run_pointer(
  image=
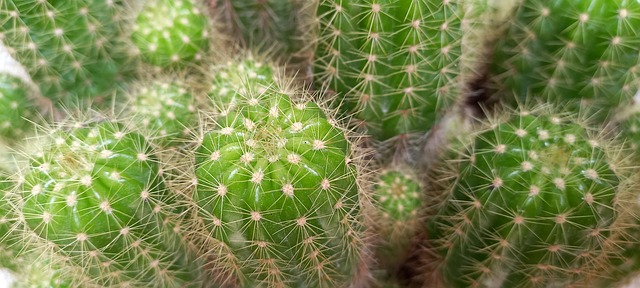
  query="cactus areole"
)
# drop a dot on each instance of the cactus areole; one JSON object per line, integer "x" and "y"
{"x": 97, "y": 195}
{"x": 275, "y": 184}
{"x": 532, "y": 206}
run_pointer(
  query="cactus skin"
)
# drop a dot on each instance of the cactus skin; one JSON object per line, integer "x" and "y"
{"x": 14, "y": 97}
{"x": 536, "y": 202}
{"x": 171, "y": 33}
{"x": 8, "y": 248}
{"x": 165, "y": 109}
{"x": 393, "y": 62}
{"x": 72, "y": 49}
{"x": 96, "y": 196}
{"x": 398, "y": 195}
{"x": 277, "y": 191}
{"x": 566, "y": 50}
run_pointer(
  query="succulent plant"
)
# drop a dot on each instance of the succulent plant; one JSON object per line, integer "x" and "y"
{"x": 165, "y": 109}
{"x": 571, "y": 51}
{"x": 537, "y": 200}
{"x": 278, "y": 196}
{"x": 95, "y": 198}
{"x": 72, "y": 49}
{"x": 172, "y": 33}
{"x": 393, "y": 64}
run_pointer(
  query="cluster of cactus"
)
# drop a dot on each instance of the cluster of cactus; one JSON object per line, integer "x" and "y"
{"x": 324, "y": 143}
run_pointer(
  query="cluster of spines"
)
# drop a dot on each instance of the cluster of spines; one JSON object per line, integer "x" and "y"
{"x": 72, "y": 49}
{"x": 172, "y": 33}
{"x": 394, "y": 63}
{"x": 571, "y": 51}
{"x": 537, "y": 200}
{"x": 94, "y": 204}
{"x": 276, "y": 193}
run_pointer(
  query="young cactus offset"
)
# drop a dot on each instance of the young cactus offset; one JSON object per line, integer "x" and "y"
{"x": 568, "y": 50}
{"x": 394, "y": 63}
{"x": 164, "y": 108}
{"x": 95, "y": 198}
{"x": 73, "y": 49}
{"x": 278, "y": 192}
{"x": 172, "y": 33}
{"x": 538, "y": 200}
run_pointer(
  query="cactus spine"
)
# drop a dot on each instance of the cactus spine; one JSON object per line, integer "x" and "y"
{"x": 95, "y": 200}
{"x": 278, "y": 193}
{"x": 72, "y": 49}
{"x": 538, "y": 200}
{"x": 393, "y": 62}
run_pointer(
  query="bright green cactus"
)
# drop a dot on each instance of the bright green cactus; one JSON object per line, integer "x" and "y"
{"x": 536, "y": 200}
{"x": 9, "y": 247}
{"x": 280, "y": 27}
{"x": 164, "y": 108}
{"x": 393, "y": 62}
{"x": 73, "y": 49}
{"x": 96, "y": 195}
{"x": 571, "y": 50}
{"x": 398, "y": 198}
{"x": 278, "y": 193}
{"x": 171, "y": 33}
{"x": 14, "y": 97}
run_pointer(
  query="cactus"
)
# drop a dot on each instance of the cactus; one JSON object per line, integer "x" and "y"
{"x": 277, "y": 192}
{"x": 278, "y": 27}
{"x": 8, "y": 225}
{"x": 95, "y": 198}
{"x": 538, "y": 200}
{"x": 165, "y": 108}
{"x": 398, "y": 196}
{"x": 571, "y": 51}
{"x": 171, "y": 33}
{"x": 393, "y": 62}
{"x": 73, "y": 49}
{"x": 14, "y": 118}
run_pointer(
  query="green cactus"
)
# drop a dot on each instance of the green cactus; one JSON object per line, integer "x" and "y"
{"x": 18, "y": 109}
{"x": 164, "y": 108}
{"x": 95, "y": 198}
{"x": 537, "y": 200}
{"x": 9, "y": 247}
{"x": 398, "y": 196}
{"x": 73, "y": 49}
{"x": 172, "y": 33}
{"x": 393, "y": 62}
{"x": 278, "y": 193}
{"x": 279, "y": 27}
{"x": 566, "y": 50}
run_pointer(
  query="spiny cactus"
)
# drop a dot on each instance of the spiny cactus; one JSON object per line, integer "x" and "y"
{"x": 279, "y": 27}
{"x": 537, "y": 200}
{"x": 95, "y": 198}
{"x": 565, "y": 50}
{"x": 393, "y": 62}
{"x": 172, "y": 32}
{"x": 398, "y": 198}
{"x": 278, "y": 192}
{"x": 17, "y": 109}
{"x": 72, "y": 49}
{"x": 165, "y": 108}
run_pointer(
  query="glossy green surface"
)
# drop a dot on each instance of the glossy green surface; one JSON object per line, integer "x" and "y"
{"x": 72, "y": 49}
{"x": 96, "y": 193}
{"x": 392, "y": 62}
{"x": 568, "y": 50}
{"x": 275, "y": 186}
{"x": 171, "y": 32}
{"x": 166, "y": 110}
{"x": 531, "y": 206}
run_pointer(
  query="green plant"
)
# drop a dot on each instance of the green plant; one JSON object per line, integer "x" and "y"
{"x": 277, "y": 196}
{"x": 72, "y": 49}
{"x": 172, "y": 33}
{"x": 96, "y": 203}
{"x": 393, "y": 64}
{"x": 537, "y": 199}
